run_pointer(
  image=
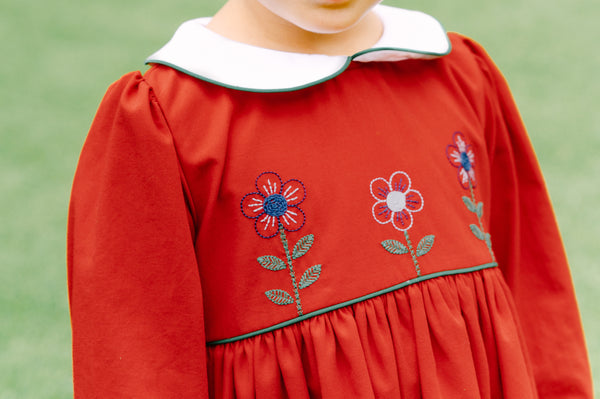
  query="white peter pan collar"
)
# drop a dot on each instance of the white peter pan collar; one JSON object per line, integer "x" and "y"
{"x": 199, "y": 52}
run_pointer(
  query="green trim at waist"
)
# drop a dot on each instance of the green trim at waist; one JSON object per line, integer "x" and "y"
{"x": 352, "y": 302}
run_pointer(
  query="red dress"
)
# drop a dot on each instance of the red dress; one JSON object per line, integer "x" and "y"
{"x": 360, "y": 230}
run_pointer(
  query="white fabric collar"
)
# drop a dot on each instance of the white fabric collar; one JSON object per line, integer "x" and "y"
{"x": 199, "y": 52}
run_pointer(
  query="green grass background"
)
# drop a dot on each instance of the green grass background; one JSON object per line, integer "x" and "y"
{"x": 60, "y": 55}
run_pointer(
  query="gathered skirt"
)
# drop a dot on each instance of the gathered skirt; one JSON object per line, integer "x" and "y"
{"x": 454, "y": 336}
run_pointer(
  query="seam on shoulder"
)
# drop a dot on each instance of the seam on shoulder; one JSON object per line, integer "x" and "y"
{"x": 187, "y": 193}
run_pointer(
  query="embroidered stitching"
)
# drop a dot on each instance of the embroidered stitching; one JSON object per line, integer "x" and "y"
{"x": 291, "y": 266}
{"x": 425, "y": 245}
{"x": 274, "y": 207}
{"x": 461, "y": 156}
{"x": 396, "y": 202}
{"x": 412, "y": 254}
{"x": 302, "y": 246}
{"x": 273, "y": 204}
{"x": 478, "y": 231}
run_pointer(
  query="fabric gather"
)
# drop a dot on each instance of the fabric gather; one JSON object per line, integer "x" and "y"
{"x": 430, "y": 326}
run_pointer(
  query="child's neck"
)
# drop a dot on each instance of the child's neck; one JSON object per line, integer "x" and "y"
{"x": 259, "y": 27}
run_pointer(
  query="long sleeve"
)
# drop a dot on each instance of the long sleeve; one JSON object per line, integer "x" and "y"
{"x": 530, "y": 251}
{"x": 134, "y": 286}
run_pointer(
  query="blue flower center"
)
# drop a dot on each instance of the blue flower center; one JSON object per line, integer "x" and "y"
{"x": 465, "y": 161}
{"x": 275, "y": 205}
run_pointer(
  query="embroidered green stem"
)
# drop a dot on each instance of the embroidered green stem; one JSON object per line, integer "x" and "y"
{"x": 284, "y": 241}
{"x": 487, "y": 241}
{"x": 412, "y": 253}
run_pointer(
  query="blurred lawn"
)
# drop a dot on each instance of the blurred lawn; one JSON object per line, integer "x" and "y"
{"x": 60, "y": 55}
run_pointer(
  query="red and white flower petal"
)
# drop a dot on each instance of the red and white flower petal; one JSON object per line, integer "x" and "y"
{"x": 399, "y": 181}
{"x": 380, "y": 188}
{"x": 453, "y": 155}
{"x": 471, "y": 156}
{"x": 459, "y": 140}
{"x": 402, "y": 220}
{"x": 294, "y": 192}
{"x": 266, "y": 226}
{"x": 414, "y": 201}
{"x": 293, "y": 219}
{"x": 463, "y": 178}
{"x": 381, "y": 212}
{"x": 252, "y": 205}
{"x": 268, "y": 183}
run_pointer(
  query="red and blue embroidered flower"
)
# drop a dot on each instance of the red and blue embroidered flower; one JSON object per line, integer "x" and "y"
{"x": 396, "y": 201}
{"x": 275, "y": 210}
{"x": 275, "y": 204}
{"x": 461, "y": 156}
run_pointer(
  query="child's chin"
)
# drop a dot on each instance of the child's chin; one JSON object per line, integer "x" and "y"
{"x": 330, "y": 23}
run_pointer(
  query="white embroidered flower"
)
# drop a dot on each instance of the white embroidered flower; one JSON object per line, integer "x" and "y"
{"x": 396, "y": 201}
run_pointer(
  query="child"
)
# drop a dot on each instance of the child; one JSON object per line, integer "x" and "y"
{"x": 317, "y": 199}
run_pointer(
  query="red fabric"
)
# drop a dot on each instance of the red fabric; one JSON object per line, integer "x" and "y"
{"x": 531, "y": 254}
{"x": 167, "y": 253}
{"x": 448, "y": 337}
{"x": 135, "y": 295}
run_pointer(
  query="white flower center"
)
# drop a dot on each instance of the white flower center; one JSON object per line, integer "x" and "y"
{"x": 396, "y": 201}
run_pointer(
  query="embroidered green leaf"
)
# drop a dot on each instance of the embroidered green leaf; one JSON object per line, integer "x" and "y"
{"x": 270, "y": 262}
{"x": 477, "y": 231}
{"x": 302, "y": 246}
{"x": 310, "y": 276}
{"x": 470, "y": 205}
{"x": 479, "y": 210}
{"x": 394, "y": 247}
{"x": 279, "y": 297}
{"x": 425, "y": 245}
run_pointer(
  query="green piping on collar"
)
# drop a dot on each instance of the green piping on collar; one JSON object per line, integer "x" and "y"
{"x": 296, "y": 88}
{"x": 283, "y": 90}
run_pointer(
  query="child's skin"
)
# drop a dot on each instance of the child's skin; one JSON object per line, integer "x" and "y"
{"x": 333, "y": 27}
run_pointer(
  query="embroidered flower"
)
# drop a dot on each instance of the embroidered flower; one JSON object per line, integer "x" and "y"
{"x": 461, "y": 156}
{"x": 275, "y": 204}
{"x": 274, "y": 208}
{"x": 396, "y": 201}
